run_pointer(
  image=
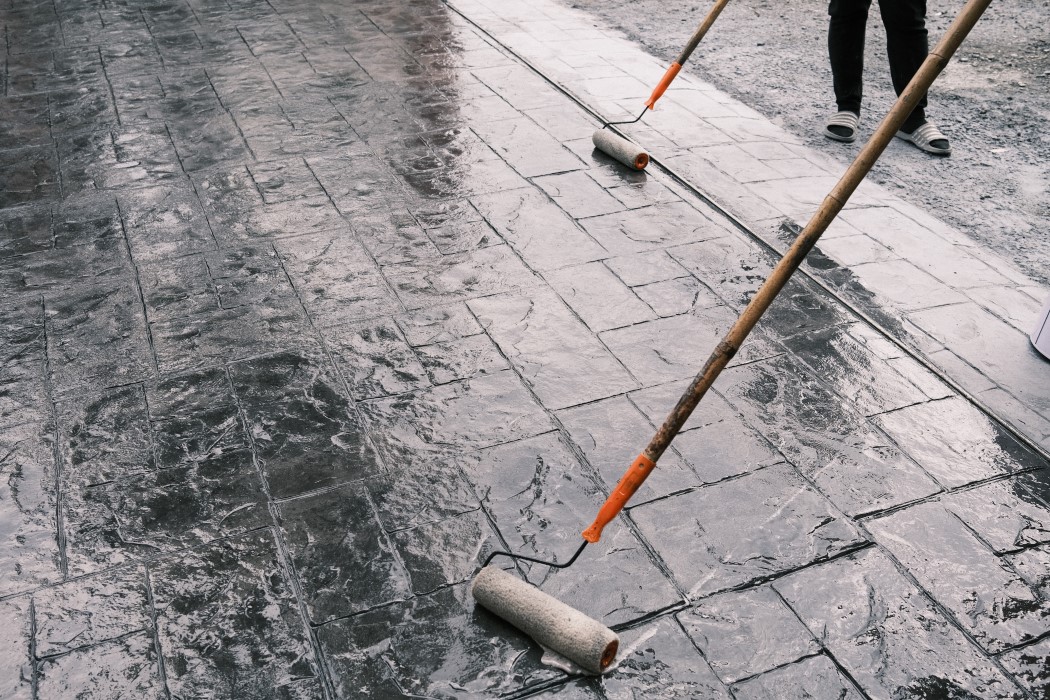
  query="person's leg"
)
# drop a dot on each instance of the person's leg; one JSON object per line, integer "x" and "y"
{"x": 907, "y": 46}
{"x": 846, "y": 51}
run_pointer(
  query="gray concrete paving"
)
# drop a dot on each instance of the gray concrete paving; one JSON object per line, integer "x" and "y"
{"x": 964, "y": 308}
{"x": 308, "y": 307}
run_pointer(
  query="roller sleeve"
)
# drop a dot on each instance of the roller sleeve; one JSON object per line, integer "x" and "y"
{"x": 630, "y": 154}
{"x": 547, "y": 620}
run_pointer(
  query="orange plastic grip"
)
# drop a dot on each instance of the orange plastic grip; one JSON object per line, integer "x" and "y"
{"x": 629, "y": 483}
{"x": 658, "y": 92}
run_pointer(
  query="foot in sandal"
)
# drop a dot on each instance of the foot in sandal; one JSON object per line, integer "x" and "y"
{"x": 928, "y": 138}
{"x": 843, "y": 126}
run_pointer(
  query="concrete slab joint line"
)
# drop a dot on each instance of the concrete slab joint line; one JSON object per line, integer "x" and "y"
{"x": 306, "y": 308}
{"x": 1041, "y": 332}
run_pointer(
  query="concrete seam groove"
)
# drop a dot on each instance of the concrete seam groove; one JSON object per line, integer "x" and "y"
{"x": 746, "y": 230}
{"x": 825, "y": 651}
{"x": 879, "y": 513}
{"x": 677, "y": 621}
{"x": 56, "y": 448}
{"x": 34, "y": 681}
{"x": 949, "y": 616}
{"x": 155, "y": 632}
{"x": 532, "y": 691}
{"x": 285, "y": 562}
{"x": 667, "y": 610}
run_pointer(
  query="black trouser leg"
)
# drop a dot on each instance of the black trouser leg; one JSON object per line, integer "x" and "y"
{"x": 907, "y": 45}
{"x": 846, "y": 51}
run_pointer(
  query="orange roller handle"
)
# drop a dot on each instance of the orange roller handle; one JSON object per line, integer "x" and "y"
{"x": 663, "y": 84}
{"x": 629, "y": 483}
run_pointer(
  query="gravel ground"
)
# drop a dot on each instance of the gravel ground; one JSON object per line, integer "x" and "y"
{"x": 993, "y": 102}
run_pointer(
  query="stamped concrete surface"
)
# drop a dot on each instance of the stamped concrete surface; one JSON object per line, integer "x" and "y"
{"x": 308, "y": 306}
{"x": 939, "y": 292}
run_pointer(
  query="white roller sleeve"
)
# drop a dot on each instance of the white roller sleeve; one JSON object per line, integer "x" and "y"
{"x": 547, "y": 620}
{"x": 630, "y": 154}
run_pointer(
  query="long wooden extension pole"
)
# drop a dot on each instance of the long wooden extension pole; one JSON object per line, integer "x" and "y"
{"x": 687, "y": 51}
{"x": 829, "y": 209}
{"x": 700, "y": 32}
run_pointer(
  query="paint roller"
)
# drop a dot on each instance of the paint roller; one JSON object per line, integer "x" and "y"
{"x": 627, "y": 152}
{"x": 550, "y": 622}
{"x": 568, "y": 631}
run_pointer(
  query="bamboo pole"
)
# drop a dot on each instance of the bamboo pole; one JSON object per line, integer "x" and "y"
{"x": 700, "y": 32}
{"x": 767, "y": 293}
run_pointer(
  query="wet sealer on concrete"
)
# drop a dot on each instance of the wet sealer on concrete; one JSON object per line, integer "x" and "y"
{"x": 309, "y": 306}
{"x": 545, "y": 619}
